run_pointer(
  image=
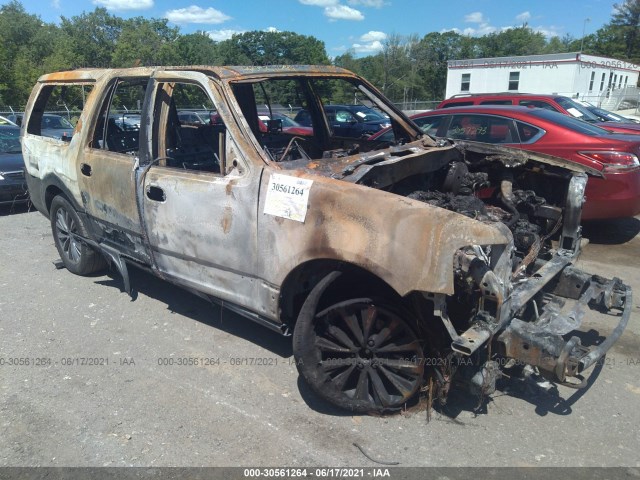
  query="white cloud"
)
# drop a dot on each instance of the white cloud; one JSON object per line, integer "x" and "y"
{"x": 475, "y": 17}
{"x": 371, "y": 42}
{"x": 120, "y": 5}
{"x": 220, "y": 35}
{"x": 372, "y": 47}
{"x": 483, "y": 29}
{"x": 55, "y": 4}
{"x": 367, "y": 3}
{"x": 319, "y": 3}
{"x": 372, "y": 36}
{"x": 194, "y": 14}
{"x": 271, "y": 30}
{"x": 549, "y": 31}
{"x": 342, "y": 12}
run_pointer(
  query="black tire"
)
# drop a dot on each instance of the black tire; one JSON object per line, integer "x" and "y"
{"x": 360, "y": 355}
{"x": 66, "y": 225}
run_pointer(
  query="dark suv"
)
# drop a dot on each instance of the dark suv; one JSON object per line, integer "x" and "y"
{"x": 352, "y": 121}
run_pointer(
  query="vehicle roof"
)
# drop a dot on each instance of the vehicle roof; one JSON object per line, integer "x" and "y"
{"x": 221, "y": 72}
{"x": 498, "y": 109}
{"x": 462, "y": 96}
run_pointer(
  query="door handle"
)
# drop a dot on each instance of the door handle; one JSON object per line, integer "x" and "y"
{"x": 155, "y": 193}
{"x": 85, "y": 169}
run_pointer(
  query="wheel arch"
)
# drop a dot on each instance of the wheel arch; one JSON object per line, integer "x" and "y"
{"x": 352, "y": 281}
{"x": 55, "y": 187}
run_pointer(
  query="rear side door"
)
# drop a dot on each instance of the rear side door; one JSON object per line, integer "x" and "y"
{"x": 107, "y": 166}
{"x": 198, "y": 193}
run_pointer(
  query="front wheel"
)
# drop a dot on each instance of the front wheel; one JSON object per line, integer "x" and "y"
{"x": 67, "y": 229}
{"x": 360, "y": 355}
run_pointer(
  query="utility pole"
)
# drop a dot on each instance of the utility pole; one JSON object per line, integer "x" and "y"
{"x": 584, "y": 26}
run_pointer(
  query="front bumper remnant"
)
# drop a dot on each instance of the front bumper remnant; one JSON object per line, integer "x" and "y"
{"x": 552, "y": 342}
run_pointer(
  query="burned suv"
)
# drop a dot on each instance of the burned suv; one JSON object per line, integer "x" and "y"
{"x": 393, "y": 266}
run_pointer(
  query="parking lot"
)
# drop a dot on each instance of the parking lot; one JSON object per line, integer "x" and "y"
{"x": 90, "y": 377}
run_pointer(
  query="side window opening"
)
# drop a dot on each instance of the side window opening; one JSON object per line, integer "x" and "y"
{"x": 188, "y": 132}
{"x": 118, "y": 126}
{"x": 457, "y": 104}
{"x": 57, "y": 110}
{"x": 496, "y": 102}
{"x": 278, "y": 113}
{"x": 537, "y": 103}
{"x": 315, "y": 118}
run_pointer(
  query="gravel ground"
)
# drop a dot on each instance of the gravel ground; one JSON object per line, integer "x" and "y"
{"x": 132, "y": 408}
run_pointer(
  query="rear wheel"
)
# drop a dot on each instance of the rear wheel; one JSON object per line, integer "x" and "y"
{"x": 67, "y": 228}
{"x": 360, "y": 355}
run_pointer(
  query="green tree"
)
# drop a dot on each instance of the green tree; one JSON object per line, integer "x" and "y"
{"x": 94, "y": 37}
{"x": 512, "y": 42}
{"x": 146, "y": 42}
{"x": 272, "y": 48}
{"x": 626, "y": 20}
{"x": 18, "y": 53}
{"x": 196, "y": 49}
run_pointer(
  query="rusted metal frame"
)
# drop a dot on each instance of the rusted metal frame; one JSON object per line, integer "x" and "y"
{"x": 270, "y": 71}
{"x": 484, "y": 327}
{"x": 375, "y": 95}
{"x": 386, "y": 172}
{"x": 532, "y": 347}
{"x": 314, "y": 102}
{"x": 492, "y": 280}
{"x": 440, "y": 310}
{"x": 571, "y": 229}
{"x": 531, "y": 286}
{"x": 531, "y": 344}
{"x": 598, "y": 352}
{"x": 237, "y": 125}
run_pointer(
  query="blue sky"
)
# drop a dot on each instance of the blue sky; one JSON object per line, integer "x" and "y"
{"x": 342, "y": 24}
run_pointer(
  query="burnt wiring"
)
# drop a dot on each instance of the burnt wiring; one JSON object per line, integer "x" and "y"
{"x": 535, "y": 250}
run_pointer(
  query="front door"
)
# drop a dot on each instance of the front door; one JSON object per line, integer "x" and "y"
{"x": 199, "y": 196}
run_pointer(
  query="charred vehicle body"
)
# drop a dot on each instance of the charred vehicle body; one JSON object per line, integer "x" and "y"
{"x": 387, "y": 263}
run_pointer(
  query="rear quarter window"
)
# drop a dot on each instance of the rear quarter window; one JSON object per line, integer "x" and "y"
{"x": 57, "y": 109}
{"x": 528, "y": 133}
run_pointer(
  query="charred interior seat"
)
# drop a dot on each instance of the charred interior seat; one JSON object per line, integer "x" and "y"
{"x": 193, "y": 147}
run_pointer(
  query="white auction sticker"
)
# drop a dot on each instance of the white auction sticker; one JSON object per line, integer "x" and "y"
{"x": 287, "y": 197}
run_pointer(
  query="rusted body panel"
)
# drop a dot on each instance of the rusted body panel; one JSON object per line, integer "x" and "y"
{"x": 407, "y": 243}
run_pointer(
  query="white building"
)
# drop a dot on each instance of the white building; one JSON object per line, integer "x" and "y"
{"x": 587, "y": 77}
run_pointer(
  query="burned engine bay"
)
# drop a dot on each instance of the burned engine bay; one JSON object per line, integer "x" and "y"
{"x": 510, "y": 301}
